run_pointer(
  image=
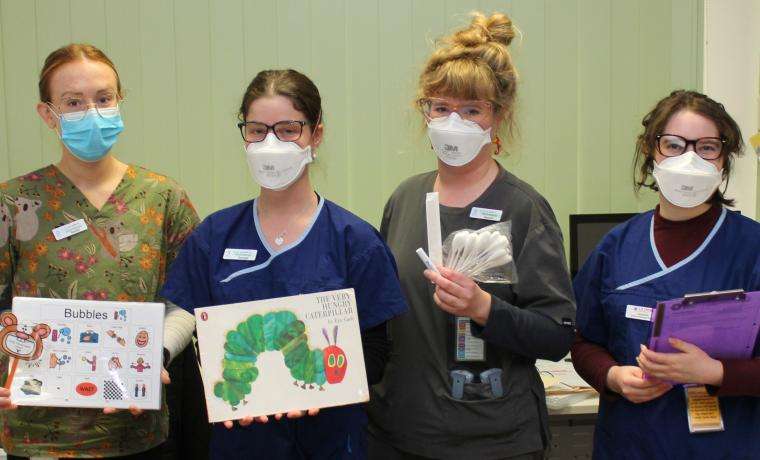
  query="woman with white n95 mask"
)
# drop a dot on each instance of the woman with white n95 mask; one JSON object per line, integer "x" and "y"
{"x": 288, "y": 241}
{"x": 690, "y": 243}
{"x": 457, "y": 327}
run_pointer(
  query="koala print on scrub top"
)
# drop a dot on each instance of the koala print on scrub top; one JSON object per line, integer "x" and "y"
{"x": 26, "y": 220}
{"x": 5, "y": 223}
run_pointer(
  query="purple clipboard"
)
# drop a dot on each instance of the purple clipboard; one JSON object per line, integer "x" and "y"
{"x": 723, "y": 324}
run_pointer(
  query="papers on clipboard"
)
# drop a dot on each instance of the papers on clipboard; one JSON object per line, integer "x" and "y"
{"x": 723, "y": 324}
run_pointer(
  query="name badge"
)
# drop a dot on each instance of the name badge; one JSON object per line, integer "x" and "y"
{"x": 636, "y": 312}
{"x": 239, "y": 254}
{"x": 468, "y": 347}
{"x": 486, "y": 214}
{"x": 72, "y": 228}
{"x": 702, "y": 410}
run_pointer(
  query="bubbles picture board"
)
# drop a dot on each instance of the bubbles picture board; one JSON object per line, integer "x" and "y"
{"x": 83, "y": 353}
{"x": 278, "y": 355}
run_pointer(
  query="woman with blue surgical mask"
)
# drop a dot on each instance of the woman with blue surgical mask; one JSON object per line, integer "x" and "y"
{"x": 289, "y": 240}
{"x": 460, "y": 381}
{"x": 131, "y": 224}
{"x": 690, "y": 243}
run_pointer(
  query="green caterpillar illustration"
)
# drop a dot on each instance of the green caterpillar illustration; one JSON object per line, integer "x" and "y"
{"x": 283, "y": 331}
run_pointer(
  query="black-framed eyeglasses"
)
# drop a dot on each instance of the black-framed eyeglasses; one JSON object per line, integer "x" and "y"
{"x": 671, "y": 145}
{"x": 286, "y": 130}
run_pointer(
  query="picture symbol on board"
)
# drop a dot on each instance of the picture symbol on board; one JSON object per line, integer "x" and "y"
{"x": 62, "y": 335}
{"x": 88, "y": 336}
{"x": 114, "y": 363}
{"x": 93, "y": 361}
{"x": 141, "y": 339}
{"x": 32, "y": 387}
{"x": 58, "y": 361}
{"x": 120, "y": 340}
{"x": 140, "y": 365}
{"x": 112, "y": 390}
{"x": 139, "y": 390}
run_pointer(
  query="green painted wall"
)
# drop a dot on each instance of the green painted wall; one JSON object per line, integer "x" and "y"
{"x": 589, "y": 71}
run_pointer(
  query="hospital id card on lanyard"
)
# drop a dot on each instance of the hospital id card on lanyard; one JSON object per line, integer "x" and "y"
{"x": 468, "y": 347}
{"x": 702, "y": 410}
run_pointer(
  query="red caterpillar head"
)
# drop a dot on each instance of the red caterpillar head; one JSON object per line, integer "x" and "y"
{"x": 334, "y": 358}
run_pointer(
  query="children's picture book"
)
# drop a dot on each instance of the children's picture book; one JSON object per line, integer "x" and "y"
{"x": 83, "y": 353}
{"x": 278, "y": 355}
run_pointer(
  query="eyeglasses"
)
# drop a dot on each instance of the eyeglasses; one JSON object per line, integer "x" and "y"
{"x": 671, "y": 145}
{"x": 75, "y": 108}
{"x": 477, "y": 111}
{"x": 286, "y": 131}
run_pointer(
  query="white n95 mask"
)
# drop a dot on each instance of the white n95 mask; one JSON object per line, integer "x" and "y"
{"x": 687, "y": 180}
{"x": 457, "y": 141}
{"x": 275, "y": 164}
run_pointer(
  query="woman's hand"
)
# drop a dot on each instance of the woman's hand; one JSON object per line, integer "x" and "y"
{"x": 245, "y": 421}
{"x": 459, "y": 295}
{"x": 133, "y": 409}
{"x": 691, "y": 365}
{"x": 5, "y": 400}
{"x": 629, "y": 382}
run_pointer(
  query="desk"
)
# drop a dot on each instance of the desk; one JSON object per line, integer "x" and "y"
{"x": 572, "y": 429}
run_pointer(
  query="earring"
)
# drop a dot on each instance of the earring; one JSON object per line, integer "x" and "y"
{"x": 497, "y": 141}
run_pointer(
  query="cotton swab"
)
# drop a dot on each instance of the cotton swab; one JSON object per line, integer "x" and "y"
{"x": 457, "y": 247}
{"x": 498, "y": 258}
{"x": 477, "y": 242}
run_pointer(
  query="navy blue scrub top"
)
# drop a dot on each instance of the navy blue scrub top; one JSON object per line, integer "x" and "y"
{"x": 338, "y": 250}
{"x": 626, "y": 269}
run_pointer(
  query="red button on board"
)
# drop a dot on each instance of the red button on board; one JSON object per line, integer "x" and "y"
{"x": 87, "y": 388}
{"x": 204, "y": 316}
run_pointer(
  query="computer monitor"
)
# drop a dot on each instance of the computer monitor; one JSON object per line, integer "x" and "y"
{"x": 586, "y": 230}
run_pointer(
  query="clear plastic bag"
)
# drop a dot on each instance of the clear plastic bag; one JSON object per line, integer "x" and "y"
{"x": 485, "y": 255}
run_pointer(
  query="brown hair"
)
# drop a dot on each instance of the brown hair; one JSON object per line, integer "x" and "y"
{"x": 71, "y": 53}
{"x": 294, "y": 85}
{"x": 474, "y": 63}
{"x": 654, "y": 123}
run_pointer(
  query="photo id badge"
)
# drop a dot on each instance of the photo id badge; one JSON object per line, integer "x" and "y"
{"x": 468, "y": 347}
{"x": 702, "y": 410}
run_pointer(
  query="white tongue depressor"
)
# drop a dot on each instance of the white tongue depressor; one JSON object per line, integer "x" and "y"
{"x": 433, "y": 215}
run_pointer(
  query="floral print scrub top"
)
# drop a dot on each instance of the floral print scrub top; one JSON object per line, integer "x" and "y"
{"x": 123, "y": 255}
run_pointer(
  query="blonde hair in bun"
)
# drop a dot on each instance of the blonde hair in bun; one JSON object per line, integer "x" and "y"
{"x": 474, "y": 63}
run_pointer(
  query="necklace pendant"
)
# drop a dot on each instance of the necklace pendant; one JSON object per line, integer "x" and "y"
{"x": 279, "y": 240}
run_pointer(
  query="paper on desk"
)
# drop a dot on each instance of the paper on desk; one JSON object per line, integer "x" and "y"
{"x": 560, "y": 375}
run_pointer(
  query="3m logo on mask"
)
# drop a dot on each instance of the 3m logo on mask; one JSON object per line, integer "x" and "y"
{"x": 267, "y": 167}
{"x": 450, "y": 148}
{"x": 687, "y": 188}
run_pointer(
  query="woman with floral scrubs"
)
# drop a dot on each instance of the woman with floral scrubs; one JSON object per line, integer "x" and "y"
{"x": 136, "y": 221}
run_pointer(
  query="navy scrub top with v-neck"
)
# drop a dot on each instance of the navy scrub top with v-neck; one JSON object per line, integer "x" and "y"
{"x": 625, "y": 269}
{"x": 338, "y": 250}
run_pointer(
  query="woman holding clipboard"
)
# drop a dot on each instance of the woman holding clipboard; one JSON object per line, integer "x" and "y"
{"x": 689, "y": 243}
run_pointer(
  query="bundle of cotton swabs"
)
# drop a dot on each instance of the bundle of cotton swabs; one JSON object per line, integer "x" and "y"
{"x": 473, "y": 253}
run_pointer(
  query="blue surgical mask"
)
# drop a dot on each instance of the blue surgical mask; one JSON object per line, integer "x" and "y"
{"x": 92, "y": 137}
